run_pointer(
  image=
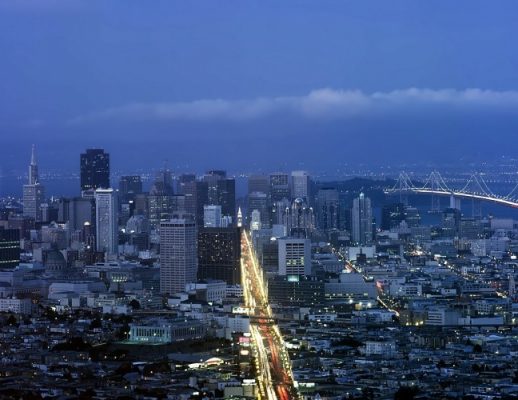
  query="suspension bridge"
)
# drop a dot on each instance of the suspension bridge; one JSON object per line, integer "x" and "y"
{"x": 475, "y": 188}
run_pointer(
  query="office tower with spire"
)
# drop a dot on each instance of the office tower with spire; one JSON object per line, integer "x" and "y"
{"x": 33, "y": 191}
{"x": 362, "y": 220}
{"x": 178, "y": 254}
{"x": 95, "y": 170}
{"x": 106, "y": 224}
{"x": 239, "y": 218}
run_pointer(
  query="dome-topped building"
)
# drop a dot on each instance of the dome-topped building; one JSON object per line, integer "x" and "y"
{"x": 55, "y": 262}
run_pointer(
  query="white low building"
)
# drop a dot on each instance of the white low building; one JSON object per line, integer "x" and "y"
{"x": 17, "y": 306}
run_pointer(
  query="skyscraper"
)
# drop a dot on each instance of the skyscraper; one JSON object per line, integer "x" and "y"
{"x": 212, "y": 177}
{"x": 392, "y": 215}
{"x": 178, "y": 254}
{"x": 362, "y": 220}
{"x": 259, "y": 201}
{"x": 106, "y": 224}
{"x": 299, "y": 219}
{"x": 184, "y": 179}
{"x": 95, "y": 169}
{"x": 279, "y": 186}
{"x": 258, "y": 183}
{"x": 33, "y": 168}
{"x": 33, "y": 191}
{"x": 212, "y": 216}
{"x": 196, "y": 196}
{"x": 129, "y": 186}
{"x": 328, "y": 208}
{"x": 294, "y": 257}
{"x": 9, "y": 248}
{"x": 227, "y": 196}
{"x": 160, "y": 199}
{"x": 300, "y": 185}
{"x": 219, "y": 254}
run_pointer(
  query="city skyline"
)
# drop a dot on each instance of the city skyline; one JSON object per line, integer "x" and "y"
{"x": 258, "y": 199}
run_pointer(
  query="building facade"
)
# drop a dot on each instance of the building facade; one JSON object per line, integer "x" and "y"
{"x": 219, "y": 254}
{"x": 106, "y": 222}
{"x": 95, "y": 169}
{"x": 178, "y": 254}
{"x": 362, "y": 228}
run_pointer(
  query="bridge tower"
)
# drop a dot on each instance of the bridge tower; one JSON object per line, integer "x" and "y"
{"x": 436, "y": 183}
{"x": 477, "y": 185}
{"x": 404, "y": 186}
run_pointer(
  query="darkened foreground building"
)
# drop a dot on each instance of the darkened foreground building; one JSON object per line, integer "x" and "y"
{"x": 292, "y": 291}
{"x": 95, "y": 169}
{"x": 219, "y": 254}
{"x": 9, "y": 248}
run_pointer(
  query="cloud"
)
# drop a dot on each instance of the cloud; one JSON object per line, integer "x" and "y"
{"x": 326, "y": 104}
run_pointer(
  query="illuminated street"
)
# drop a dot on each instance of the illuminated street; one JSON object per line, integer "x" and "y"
{"x": 274, "y": 375}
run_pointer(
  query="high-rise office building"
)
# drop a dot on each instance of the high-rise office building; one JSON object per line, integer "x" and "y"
{"x": 255, "y": 220}
{"x": 196, "y": 196}
{"x": 361, "y": 218}
{"x": 9, "y": 248}
{"x": 299, "y": 219}
{"x": 328, "y": 207}
{"x": 259, "y": 183}
{"x": 259, "y": 201}
{"x": 301, "y": 185}
{"x": 279, "y": 186}
{"x": 106, "y": 223}
{"x": 129, "y": 186}
{"x": 161, "y": 202}
{"x": 294, "y": 256}
{"x": 392, "y": 215}
{"x": 450, "y": 222}
{"x": 33, "y": 191}
{"x": 164, "y": 181}
{"x": 227, "y": 196}
{"x": 184, "y": 179}
{"x": 212, "y": 216}
{"x": 212, "y": 178}
{"x": 219, "y": 254}
{"x": 178, "y": 254}
{"x": 76, "y": 212}
{"x": 95, "y": 170}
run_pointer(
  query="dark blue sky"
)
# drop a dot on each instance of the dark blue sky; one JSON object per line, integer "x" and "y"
{"x": 257, "y": 84}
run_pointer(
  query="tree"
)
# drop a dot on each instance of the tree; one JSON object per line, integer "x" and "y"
{"x": 96, "y": 323}
{"x": 134, "y": 304}
{"x": 406, "y": 393}
{"x": 12, "y": 321}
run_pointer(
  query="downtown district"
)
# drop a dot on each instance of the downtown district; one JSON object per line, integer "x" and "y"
{"x": 299, "y": 289}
